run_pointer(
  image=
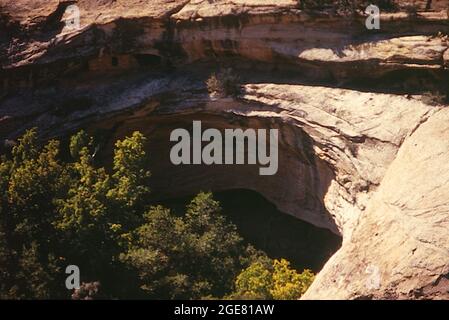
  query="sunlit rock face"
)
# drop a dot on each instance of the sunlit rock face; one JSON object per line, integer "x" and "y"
{"x": 36, "y": 43}
{"x": 360, "y": 152}
{"x": 402, "y": 237}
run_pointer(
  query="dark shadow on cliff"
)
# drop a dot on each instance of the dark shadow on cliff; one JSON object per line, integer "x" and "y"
{"x": 278, "y": 234}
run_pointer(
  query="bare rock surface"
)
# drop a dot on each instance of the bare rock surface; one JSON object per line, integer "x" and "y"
{"x": 402, "y": 234}
{"x": 358, "y": 134}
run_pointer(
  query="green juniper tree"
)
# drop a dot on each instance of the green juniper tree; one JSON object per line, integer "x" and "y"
{"x": 186, "y": 257}
{"x": 55, "y": 213}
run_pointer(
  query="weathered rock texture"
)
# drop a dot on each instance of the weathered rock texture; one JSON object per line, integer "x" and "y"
{"x": 371, "y": 166}
{"x": 403, "y": 231}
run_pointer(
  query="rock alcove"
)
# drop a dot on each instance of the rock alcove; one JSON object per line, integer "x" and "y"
{"x": 283, "y": 214}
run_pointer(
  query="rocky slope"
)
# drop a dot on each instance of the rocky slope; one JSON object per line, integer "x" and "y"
{"x": 403, "y": 231}
{"x": 361, "y": 152}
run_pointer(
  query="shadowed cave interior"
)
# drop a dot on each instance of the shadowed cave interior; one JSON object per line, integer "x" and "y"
{"x": 278, "y": 234}
{"x": 250, "y": 201}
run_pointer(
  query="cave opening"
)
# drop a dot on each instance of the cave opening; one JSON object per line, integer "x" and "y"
{"x": 261, "y": 224}
{"x": 148, "y": 60}
{"x": 283, "y": 215}
{"x": 114, "y": 62}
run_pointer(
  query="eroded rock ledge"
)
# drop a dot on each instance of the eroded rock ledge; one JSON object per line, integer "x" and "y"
{"x": 36, "y": 48}
{"x": 369, "y": 166}
{"x": 403, "y": 231}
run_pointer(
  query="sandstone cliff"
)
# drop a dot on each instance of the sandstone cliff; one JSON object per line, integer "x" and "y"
{"x": 362, "y": 153}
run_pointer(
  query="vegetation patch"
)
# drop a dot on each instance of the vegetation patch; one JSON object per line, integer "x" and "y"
{"x": 56, "y": 213}
{"x": 224, "y": 84}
